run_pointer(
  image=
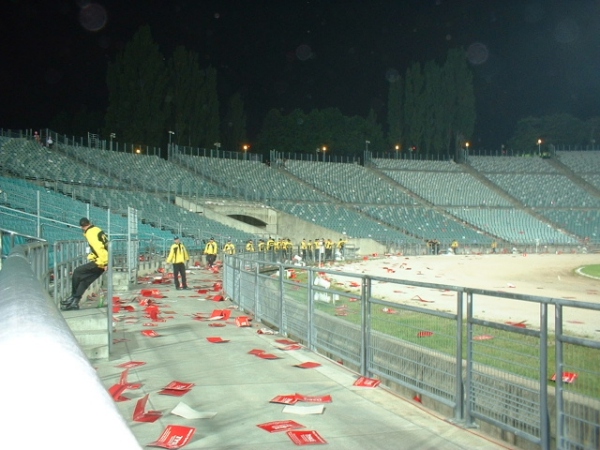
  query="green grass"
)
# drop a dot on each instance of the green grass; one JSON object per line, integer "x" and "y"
{"x": 593, "y": 270}
{"x": 507, "y": 351}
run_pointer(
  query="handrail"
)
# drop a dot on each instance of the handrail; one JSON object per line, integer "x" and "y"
{"x": 47, "y": 377}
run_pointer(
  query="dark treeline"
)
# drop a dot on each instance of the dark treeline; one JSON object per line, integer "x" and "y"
{"x": 430, "y": 110}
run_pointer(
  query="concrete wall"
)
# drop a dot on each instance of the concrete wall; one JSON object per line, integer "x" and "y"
{"x": 278, "y": 224}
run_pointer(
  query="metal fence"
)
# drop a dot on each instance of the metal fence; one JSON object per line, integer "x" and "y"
{"x": 495, "y": 374}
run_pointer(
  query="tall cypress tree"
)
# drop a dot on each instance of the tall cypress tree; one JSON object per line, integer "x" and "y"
{"x": 137, "y": 83}
{"x": 395, "y": 114}
{"x": 234, "y": 128}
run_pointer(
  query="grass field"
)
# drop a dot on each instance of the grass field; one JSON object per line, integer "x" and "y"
{"x": 507, "y": 351}
{"x": 593, "y": 270}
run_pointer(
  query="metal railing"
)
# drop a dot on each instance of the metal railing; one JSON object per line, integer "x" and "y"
{"x": 485, "y": 370}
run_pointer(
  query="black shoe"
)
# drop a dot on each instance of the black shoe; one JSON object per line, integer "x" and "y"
{"x": 186, "y": 288}
{"x": 177, "y": 288}
{"x": 67, "y": 301}
{"x": 72, "y": 305}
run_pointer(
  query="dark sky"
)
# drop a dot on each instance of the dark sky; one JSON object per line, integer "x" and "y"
{"x": 529, "y": 57}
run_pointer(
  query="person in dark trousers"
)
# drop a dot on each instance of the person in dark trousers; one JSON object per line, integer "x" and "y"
{"x": 178, "y": 256}
{"x": 86, "y": 274}
{"x": 211, "y": 251}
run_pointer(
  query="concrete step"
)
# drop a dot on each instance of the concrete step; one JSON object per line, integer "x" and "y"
{"x": 94, "y": 352}
{"x": 86, "y": 319}
{"x": 91, "y": 337}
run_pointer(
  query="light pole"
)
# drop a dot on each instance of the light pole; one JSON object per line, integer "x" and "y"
{"x": 171, "y": 133}
{"x": 539, "y": 143}
{"x": 324, "y": 149}
{"x": 367, "y": 145}
{"x": 245, "y": 147}
{"x": 112, "y": 136}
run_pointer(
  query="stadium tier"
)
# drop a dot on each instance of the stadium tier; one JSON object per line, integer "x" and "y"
{"x": 519, "y": 200}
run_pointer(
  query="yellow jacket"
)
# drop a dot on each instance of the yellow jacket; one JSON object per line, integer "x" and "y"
{"x": 178, "y": 254}
{"x": 211, "y": 248}
{"x": 98, "y": 245}
{"x": 229, "y": 248}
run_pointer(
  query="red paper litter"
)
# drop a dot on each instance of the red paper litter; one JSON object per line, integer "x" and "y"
{"x": 424, "y": 333}
{"x": 174, "y": 436}
{"x": 314, "y": 398}
{"x": 216, "y": 324}
{"x": 216, "y": 340}
{"x": 567, "y": 377}
{"x": 217, "y": 286}
{"x": 280, "y": 425}
{"x": 115, "y": 392}
{"x": 150, "y": 333}
{"x": 218, "y": 298}
{"x": 131, "y": 364}
{"x": 154, "y": 293}
{"x": 141, "y": 415}
{"x": 268, "y": 356}
{"x": 285, "y": 341}
{"x": 308, "y": 365}
{"x": 367, "y": 382}
{"x": 306, "y": 437}
{"x": 256, "y": 351}
{"x": 483, "y": 337}
{"x": 521, "y": 324}
{"x": 285, "y": 399}
{"x": 123, "y": 381}
{"x": 242, "y": 321}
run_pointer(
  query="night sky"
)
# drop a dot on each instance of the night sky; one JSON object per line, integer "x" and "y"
{"x": 530, "y": 58}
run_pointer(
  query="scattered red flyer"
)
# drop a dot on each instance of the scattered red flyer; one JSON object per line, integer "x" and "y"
{"x": 280, "y": 425}
{"x": 155, "y": 293}
{"x": 243, "y": 321}
{"x": 520, "y": 324}
{"x": 123, "y": 381}
{"x": 285, "y": 399}
{"x": 567, "y": 377}
{"x": 174, "y": 436}
{"x": 353, "y": 300}
{"x": 314, "y": 398}
{"x": 308, "y": 365}
{"x": 256, "y": 351}
{"x": 141, "y": 415}
{"x": 131, "y": 364}
{"x": 115, "y": 392}
{"x": 285, "y": 341}
{"x": 389, "y": 310}
{"x": 150, "y": 333}
{"x": 424, "y": 333}
{"x": 218, "y": 298}
{"x": 216, "y": 324}
{"x": 267, "y": 356}
{"x": 367, "y": 382}
{"x": 152, "y": 311}
{"x": 219, "y": 314}
{"x": 483, "y": 337}
{"x": 174, "y": 392}
{"x": 216, "y": 340}
{"x": 179, "y": 385}
{"x": 290, "y": 347}
{"x": 306, "y": 437}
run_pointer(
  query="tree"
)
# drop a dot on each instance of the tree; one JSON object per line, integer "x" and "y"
{"x": 234, "y": 129}
{"x": 138, "y": 83}
{"x": 395, "y": 116}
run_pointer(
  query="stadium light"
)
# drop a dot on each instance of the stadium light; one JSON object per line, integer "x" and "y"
{"x": 539, "y": 143}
